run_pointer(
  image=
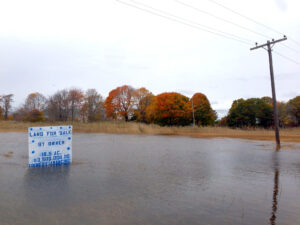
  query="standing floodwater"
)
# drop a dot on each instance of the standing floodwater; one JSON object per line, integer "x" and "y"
{"x": 128, "y": 179}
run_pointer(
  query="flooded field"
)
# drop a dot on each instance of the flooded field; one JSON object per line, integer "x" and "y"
{"x": 128, "y": 179}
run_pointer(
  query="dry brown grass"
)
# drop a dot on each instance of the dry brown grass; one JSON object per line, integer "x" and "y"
{"x": 287, "y": 135}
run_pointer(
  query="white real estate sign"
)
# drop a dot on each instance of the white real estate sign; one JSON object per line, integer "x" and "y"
{"x": 49, "y": 145}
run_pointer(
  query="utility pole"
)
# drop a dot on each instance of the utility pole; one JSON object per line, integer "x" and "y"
{"x": 269, "y": 46}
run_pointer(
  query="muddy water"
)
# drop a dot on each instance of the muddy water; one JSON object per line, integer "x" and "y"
{"x": 123, "y": 179}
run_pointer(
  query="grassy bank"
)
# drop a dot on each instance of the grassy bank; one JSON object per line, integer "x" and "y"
{"x": 287, "y": 135}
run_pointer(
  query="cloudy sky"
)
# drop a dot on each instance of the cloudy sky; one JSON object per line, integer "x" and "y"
{"x": 46, "y": 46}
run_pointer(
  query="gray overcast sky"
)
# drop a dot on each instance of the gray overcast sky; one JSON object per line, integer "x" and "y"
{"x": 51, "y": 45}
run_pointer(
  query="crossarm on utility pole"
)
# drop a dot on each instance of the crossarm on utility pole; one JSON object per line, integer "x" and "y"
{"x": 270, "y": 42}
{"x": 269, "y": 49}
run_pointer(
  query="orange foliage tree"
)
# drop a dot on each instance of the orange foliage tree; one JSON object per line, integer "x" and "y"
{"x": 34, "y": 116}
{"x": 142, "y": 98}
{"x": 35, "y": 101}
{"x": 204, "y": 114}
{"x": 34, "y": 106}
{"x": 119, "y": 103}
{"x": 169, "y": 109}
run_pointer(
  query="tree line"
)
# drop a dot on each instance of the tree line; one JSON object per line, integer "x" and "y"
{"x": 123, "y": 103}
{"x": 131, "y": 104}
{"x": 258, "y": 112}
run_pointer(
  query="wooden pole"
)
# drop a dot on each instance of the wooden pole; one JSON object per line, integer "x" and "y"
{"x": 269, "y": 49}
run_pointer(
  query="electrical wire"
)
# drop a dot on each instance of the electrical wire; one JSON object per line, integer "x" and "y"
{"x": 246, "y": 17}
{"x": 287, "y": 58}
{"x": 232, "y": 23}
{"x": 286, "y": 46}
{"x": 222, "y": 19}
{"x": 188, "y": 23}
{"x": 296, "y": 42}
{"x": 252, "y": 20}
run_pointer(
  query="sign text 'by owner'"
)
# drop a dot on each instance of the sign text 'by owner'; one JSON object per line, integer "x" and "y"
{"x": 49, "y": 145}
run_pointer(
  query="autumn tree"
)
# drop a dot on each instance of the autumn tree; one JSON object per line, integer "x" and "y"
{"x": 250, "y": 112}
{"x": 33, "y": 108}
{"x": 293, "y": 110}
{"x": 20, "y": 114}
{"x": 6, "y": 101}
{"x": 119, "y": 103}
{"x": 35, "y": 101}
{"x": 58, "y": 106}
{"x": 169, "y": 109}
{"x": 282, "y": 107}
{"x": 142, "y": 98}
{"x": 283, "y": 117}
{"x": 34, "y": 116}
{"x": 204, "y": 114}
{"x": 93, "y": 106}
{"x": 75, "y": 97}
{"x": 267, "y": 100}
{"x": 222, "y": 122}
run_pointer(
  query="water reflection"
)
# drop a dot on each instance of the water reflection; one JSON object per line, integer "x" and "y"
{"x": 132, "y": 180}
{"x": 43, "y": 186}
{"x": 275, "y": 189}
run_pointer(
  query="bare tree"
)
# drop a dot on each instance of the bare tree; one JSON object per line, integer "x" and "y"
{"x": 75, "y": 97}
{"x": 93, "y": 107}
{"x": 58, "y": 106}
{"x": 35, "y": 101}
{"x": 6, "y": 101}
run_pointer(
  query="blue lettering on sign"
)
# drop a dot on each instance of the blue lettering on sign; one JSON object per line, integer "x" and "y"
{"x": 51, "y": 133}
{"x": 36, "y": 134}
{"x": 66, "y": 132}
{"x": 56, "y": 153}
{"x": 36, "y": 160}
{"x": 48, "y": 158}
{"x": 50, "y": 145}
{"x": 46, "y": 153}
{"x": 41, "y": 144}
{"x": 57, "y": 157}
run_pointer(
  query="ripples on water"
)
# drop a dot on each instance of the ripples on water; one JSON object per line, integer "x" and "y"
{"x": 127, "y": 179}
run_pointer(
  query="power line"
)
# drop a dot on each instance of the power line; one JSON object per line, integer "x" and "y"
{"x": 207, "y": 29}
{"x": 288, "y": 73}
{"x": 220, "y": 18}
{"x": 287, "y": 58}
{"x": 284, "y": 45}
{"x": 252, "y": 20}
{"x": 232, "y": 23}
{"x": 296, "y": 42}
{"x": 190, "y": 21}
{"x": 246, "y": 17}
